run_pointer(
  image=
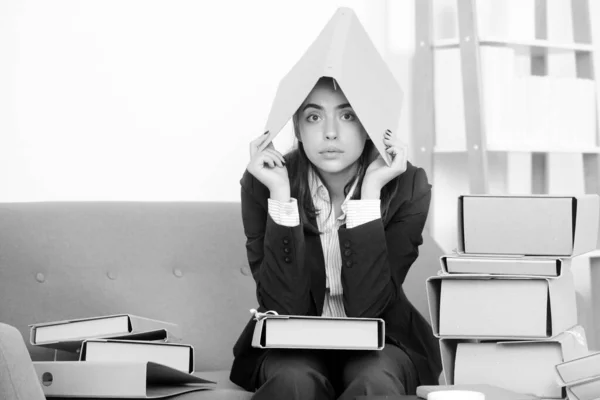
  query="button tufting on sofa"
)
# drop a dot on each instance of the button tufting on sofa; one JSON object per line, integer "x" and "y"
{"x": 177, "y": 272}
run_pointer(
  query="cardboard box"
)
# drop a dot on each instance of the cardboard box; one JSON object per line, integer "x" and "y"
{"x": 520, "y": 366}
{"x": 516, "y": 265}
{"x": 507, "y": 307}
{"x": 331, "y": 333}
{"x": 587, "y": 390}
{"x": 579, "y": 369}
{"x": 542, "y": 225}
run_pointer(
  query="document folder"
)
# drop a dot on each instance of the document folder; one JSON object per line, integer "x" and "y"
{"x": 69, "y": 334}
{"x": 130, "y": 380}
{"x": 331, "y": 333}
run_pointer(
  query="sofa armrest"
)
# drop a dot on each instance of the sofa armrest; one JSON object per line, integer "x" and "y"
{"x": 18, "y": 380}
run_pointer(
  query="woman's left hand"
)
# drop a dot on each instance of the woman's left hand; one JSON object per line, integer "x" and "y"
{"x": 378, "y": 174}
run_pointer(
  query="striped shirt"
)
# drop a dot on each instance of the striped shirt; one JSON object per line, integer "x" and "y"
{"x": 354, "y": 213}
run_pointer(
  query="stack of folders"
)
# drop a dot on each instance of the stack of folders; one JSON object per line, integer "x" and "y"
{"x": 504, "y": 306}
{"x": 120, "y": 355}
{"x": 581, "y": 377}
{"x": 320, "y": 333}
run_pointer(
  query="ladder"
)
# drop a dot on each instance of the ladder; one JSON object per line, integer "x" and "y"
{"x": 469, "y": 43}
{"x": 532, "y": 161}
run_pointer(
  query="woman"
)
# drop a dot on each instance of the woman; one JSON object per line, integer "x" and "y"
{"x": 332, "y": 231}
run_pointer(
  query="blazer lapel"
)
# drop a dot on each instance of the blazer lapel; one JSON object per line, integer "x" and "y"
{"x": 314, "y": 260}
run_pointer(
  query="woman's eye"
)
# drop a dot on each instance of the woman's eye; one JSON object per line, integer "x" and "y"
{"x": 348, "y": 117}
{"x": 312, "y": 118}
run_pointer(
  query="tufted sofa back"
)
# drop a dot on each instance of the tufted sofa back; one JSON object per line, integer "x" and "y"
{"x": 180, "y": 262}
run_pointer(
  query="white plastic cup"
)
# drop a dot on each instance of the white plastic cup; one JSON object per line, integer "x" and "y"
{"x": 455, "y": 395}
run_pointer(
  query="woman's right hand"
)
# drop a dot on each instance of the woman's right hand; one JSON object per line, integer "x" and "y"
{"x": 268, "y": 166}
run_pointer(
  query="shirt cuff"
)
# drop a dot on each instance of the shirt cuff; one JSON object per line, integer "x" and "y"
{"x": 360, "y": 212}
{"x": 285, "y": 214}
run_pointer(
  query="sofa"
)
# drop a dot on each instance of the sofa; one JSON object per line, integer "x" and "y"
{"x": 182, "y": 262}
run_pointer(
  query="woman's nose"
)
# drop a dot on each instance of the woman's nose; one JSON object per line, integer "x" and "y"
{"x": 330, "y": 130}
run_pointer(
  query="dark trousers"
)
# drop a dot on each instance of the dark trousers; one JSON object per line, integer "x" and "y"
{"x": 331, "y": 374}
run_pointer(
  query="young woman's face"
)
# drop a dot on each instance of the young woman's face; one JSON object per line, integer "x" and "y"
{"x": 332, "y": 136}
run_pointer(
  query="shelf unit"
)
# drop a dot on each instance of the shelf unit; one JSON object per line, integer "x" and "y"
{"x": 476, "y": 148}
{"x": 574, "y": 150}
{"x": 537, "y": 46}
{"x": 469, "y": 42}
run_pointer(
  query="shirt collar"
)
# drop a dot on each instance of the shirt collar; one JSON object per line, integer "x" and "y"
{"x": 318, "y": 188}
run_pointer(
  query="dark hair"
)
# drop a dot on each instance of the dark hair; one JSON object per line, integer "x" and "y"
{"x": 298, "y": 166}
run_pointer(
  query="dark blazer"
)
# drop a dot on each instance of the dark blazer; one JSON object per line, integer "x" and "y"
{"x": 289, "y": 269}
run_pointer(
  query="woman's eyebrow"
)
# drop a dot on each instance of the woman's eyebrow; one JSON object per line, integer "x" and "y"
{"x": 318, "y": 107}
{"x": 309, "y": 105}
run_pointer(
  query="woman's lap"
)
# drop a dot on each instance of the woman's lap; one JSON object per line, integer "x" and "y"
{"x": 376, "y": 366}
{"x": 330, "y": 371}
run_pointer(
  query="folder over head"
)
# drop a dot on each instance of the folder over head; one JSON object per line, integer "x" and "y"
{"x": 342, "y": 51}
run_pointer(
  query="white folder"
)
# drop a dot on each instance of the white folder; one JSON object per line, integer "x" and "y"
{"x": 327, "y": 333}
{"x": 132, "y": 380}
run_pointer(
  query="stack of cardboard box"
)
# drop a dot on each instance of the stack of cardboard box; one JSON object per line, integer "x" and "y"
{"x": 504, "y": 305}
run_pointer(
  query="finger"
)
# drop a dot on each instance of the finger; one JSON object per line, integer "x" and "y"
{"x": 266, "y": 159}
{"x": 273, "y": 154}
{"x": 277, "y": 155}
{"x": 399, "y": 146}
{"x": 395, "y": 149}
{"x": 398, "y": 155}
{"x": 392, "y": 151}
{"x": 270, "y": 146}
{"x": 261, "y": 138}
{"x": 256, "y": 143}
{"x": 387, "y": 141}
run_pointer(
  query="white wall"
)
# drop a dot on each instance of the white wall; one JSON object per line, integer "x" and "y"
{"x": 146, "y": 99}
{"x": 157, "y": 100}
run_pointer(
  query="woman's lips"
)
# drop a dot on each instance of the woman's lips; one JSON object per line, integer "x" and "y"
{"x": 331, "y": 149}
{"x": 331, "y": 154}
